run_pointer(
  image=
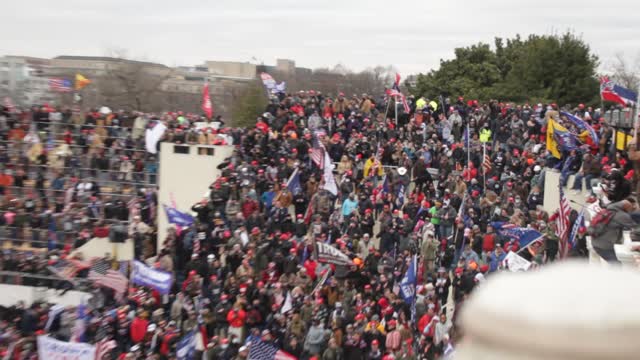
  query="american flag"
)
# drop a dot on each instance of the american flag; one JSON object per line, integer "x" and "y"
{"x": 196, "y": 246}
{"x": 67, "y": 269}
{"x": 132, "y": 205}
{"x": 562, "y": 224}
{"x": 102, "y": 274}
{"x": 60, "y": 84}
{"x": 317, "y": 150}
{"x": 396, "y": 85}
{"x": 103, "y": 348}
{"x": 261, "y": 350}
{"x": 395, "y": 92}
{"x": 486, "y": 163}
{"x": 309, "y": 213}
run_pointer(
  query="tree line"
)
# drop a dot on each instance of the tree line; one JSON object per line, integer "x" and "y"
{"x": 540, "y": 68}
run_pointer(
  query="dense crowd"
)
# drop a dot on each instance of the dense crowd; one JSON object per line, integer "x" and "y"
{"x": 245, "y": 272}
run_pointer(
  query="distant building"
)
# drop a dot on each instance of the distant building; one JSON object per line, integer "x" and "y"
{"x": 21, "y": 79}
{"x": 98, "y": 65}
{"x": 26, "y": 81}
{"x": 231, "y": 69}
{"x": 412, "y": 80}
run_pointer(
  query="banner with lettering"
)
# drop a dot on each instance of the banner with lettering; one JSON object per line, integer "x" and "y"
{"x": 52, "y": 349}
{"x": 147, "y": 276}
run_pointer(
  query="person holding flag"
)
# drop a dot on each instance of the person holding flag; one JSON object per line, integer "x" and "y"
{"x": 408, "y": 286}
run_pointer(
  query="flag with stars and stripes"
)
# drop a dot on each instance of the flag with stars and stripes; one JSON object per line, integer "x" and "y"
{"x": 60, "y": 85}
{"x": 317, "y": 150}
{"x": 562, "y": 225}
{"x": 102, "y": 274}
{"x": 260, "y": 350}
{"x": 486, "y": 161}
{"x": 67, "y": 269}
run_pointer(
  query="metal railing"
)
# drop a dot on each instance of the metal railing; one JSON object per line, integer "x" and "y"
{"x": 19, "y": 142}
{"x": 102, "y": 193}
{"x": 51, "y": 169}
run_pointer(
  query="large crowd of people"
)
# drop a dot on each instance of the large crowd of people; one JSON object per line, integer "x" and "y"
{"x": 428, "y": 183}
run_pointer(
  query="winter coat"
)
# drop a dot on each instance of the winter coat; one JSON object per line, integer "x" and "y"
{"x": 316, "y": 337}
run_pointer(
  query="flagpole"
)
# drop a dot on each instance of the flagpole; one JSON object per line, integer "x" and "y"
{"x": 395, "y": 106}
{"x": 531, "y": 243}
{"x": 484, "y": 169}
{"x": 468, "y": 144}
{"x": 387, "y": 110}
{"x": 293, "y": 174}
{"x": 635, "y": 117}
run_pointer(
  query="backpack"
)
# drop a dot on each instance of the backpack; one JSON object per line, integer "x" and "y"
{"x": 598, "y": 224}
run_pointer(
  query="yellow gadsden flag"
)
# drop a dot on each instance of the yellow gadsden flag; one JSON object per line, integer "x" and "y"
{"x": 81, "y": 81}
{"x": 552, "y": 144}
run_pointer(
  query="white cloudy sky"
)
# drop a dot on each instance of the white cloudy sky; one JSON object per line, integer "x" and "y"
{"x": 412, "y": 35}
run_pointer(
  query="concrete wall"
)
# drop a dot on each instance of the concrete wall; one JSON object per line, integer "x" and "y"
{"x": 185, "y": 178}
{"x": 11, "y": 294}
{"x": 286, "y": 65}
{"x": 552, "y": 192}
{"x": 98, "y": 247}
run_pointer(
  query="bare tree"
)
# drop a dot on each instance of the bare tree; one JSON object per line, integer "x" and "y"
{"x": 132, "y": 84}
{"x": 626, "y": 73}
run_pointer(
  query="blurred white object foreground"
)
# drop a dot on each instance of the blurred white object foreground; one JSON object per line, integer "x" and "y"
{"x": 566, "y": 311}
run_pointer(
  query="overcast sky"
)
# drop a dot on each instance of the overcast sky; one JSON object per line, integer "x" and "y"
{"x": 411, "y": 35}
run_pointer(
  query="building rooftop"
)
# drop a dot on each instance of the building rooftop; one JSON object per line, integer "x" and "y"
{"x": 105, "y": 59}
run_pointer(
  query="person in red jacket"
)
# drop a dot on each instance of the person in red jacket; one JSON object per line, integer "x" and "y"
{"x": 170, "y": 337}
{"x": 249, "y": 206}
{"x": 425, "y": 319}
{"x": 262, "y": 126}
{"x": 236, "y": 318}
{"x": 138, "y": 328}
{"x": 489, "y": 240}
{"x": 470, "y": 172}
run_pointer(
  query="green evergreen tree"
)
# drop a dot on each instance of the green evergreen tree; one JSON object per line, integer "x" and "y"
{"x": 546, "y": 68}
{"x": 251, "y": 102}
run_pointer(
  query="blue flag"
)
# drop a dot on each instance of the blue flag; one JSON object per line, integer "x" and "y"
{"x": 465, "y": 137}
{"x": 566, "y": 140}
{"x": 573, "y": 237}
{"x": 177, "y": 217}
{"x": 187, "y": 346}
{"x": 400, "y": 196}
{"x": 525, "y": 236}
{"x": 581, "y": 125}
{"x": 385, "y": 185}
{"x": 294, "y": 183}
{"x": 408, "y": 285}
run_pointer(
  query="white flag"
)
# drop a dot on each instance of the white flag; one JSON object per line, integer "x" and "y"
{"x": 288, "y": 304}
{"x": 515, "y": 262}
{"x": 153, "y": 135}
{"x": 329, "y": 181}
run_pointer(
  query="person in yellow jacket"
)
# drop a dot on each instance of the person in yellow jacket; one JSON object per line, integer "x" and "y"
{"x": 373, "y": 166}
{"x": 485, "y": 134}
{"x": 421, "y": 103}
{"x": 375, "y": 325}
